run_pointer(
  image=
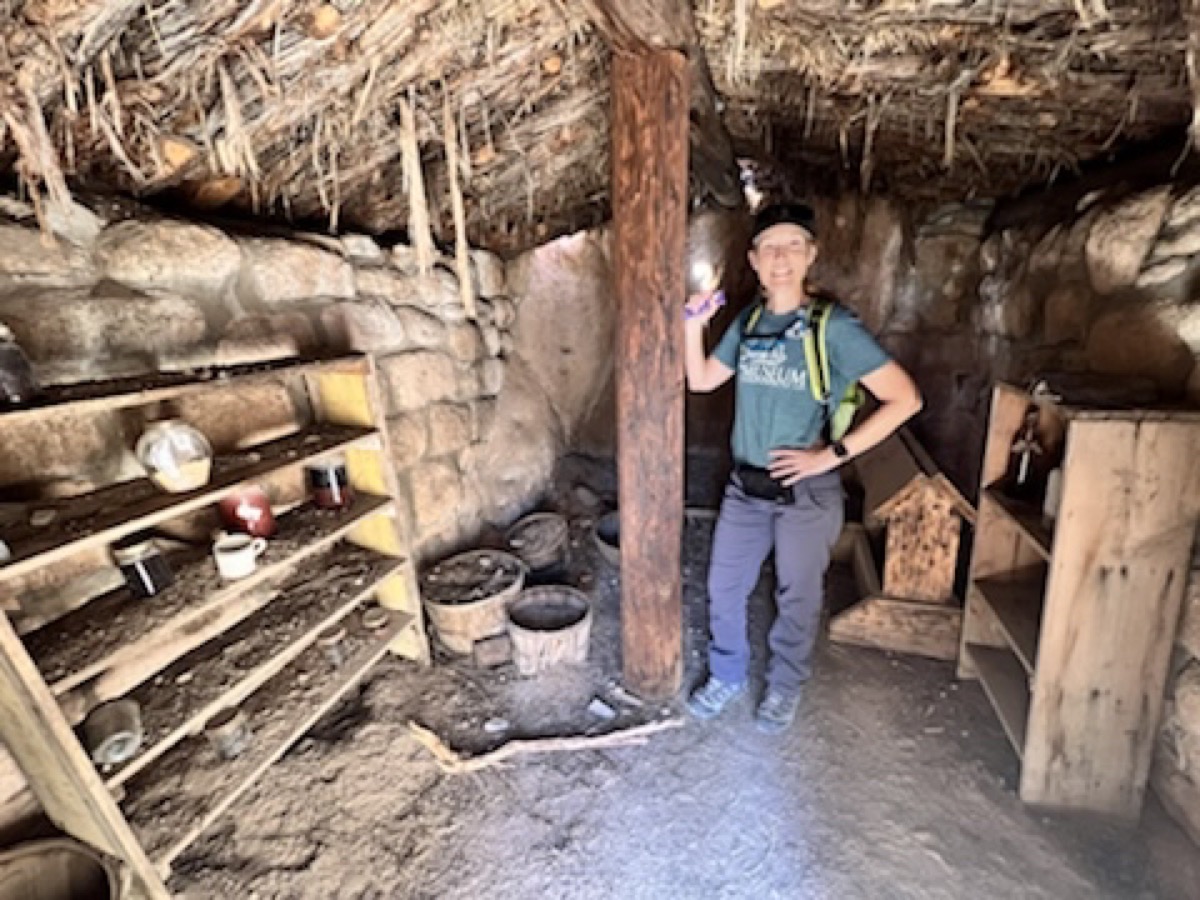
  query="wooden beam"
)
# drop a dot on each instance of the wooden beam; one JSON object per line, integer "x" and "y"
{"x": 650, "y": 201}
{"x": 634, "y": 26}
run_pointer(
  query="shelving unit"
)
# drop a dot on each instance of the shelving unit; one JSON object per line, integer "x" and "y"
{"x": 1069, "y": 622}
{"x": 202, "y": 645}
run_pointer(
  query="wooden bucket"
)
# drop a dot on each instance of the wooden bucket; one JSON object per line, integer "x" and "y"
{"x": 549, "y": 625}
{"x": 57, "y": 869}
{"x": 540, "y": 540}
{"x": 467, "y": 596}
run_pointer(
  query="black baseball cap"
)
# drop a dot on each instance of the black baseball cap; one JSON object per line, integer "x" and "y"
{"x": 780, "y": 213}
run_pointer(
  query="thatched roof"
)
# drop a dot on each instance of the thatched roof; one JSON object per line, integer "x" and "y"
{"x": 296, "y": 110}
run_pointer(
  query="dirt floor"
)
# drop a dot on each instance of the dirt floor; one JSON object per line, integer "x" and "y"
{"x": 896, "y": 782}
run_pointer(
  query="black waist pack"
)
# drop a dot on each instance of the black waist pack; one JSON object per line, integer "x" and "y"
{"x": 758, "y": 483}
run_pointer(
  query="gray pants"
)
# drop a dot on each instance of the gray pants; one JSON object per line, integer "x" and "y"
{"x": 802, "y": 534}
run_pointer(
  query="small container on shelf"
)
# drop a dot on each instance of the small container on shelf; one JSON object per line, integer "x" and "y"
{"x": 176, "y": 456}
{"x": 113, "y": 732}
{"x": 248, "y": 510}
{"x": 17, "y": 383}
{"x": 330, "y": 484}
{"x": 146, "y": 570}
{"x": 229, "y": 733}
{"x": 331, "y": 641}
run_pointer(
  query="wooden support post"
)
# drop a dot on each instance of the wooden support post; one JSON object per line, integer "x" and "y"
{"x": 649, "y": 200}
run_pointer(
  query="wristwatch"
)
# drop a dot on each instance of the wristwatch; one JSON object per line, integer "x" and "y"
{"x": 839, "y": 450}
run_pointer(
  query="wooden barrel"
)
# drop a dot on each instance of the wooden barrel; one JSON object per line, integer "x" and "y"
{"x": 549, "y": 625}
{"x": 540, "y": 540}
{"x": 57, "y": 869}
{"x": 467, "y": 596}
{"x": 607, "y": 533}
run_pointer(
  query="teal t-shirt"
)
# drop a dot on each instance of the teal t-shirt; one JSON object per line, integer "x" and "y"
{"x": 773, "y": 404}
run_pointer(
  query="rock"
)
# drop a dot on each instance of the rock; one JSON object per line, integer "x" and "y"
{"x": 1066, "y": 312}
{"x": 1185, "y": 211}
{"x": 263, "y": 337}
{"x": 504, "y": 312}
{"x": 569, "y": 363}
{"x": 449, "y": 429}
{"x": 491, "y": 377}
{"x": 1188, "y": 636}
{"x": 601, "y": 710}
{"x": 1181, "y": 243}
{"x": 416, "y": 379}
{"x": 944, "y": 279}
{"x": 1006, "y": 308}
{"x": 489, "y": 273}
{"x": 1046, "y": 255}
{"x": 27, "y": 262}
{"x": 483, "y": 415}
{"x": 1121, "y": 237}
{"x": 111, "y": 330}
{"x": 193, "y": 260}
{"x": 408, "y": 435}
{"x": 465, "y": 342}
{"x": 278, "y": 272}
{"x": 361, "y": 248}
{"x": 1187, "y": 703}
{"x": 510, "y": 468}
{"x": 367, "y": 326}
{"x": 492, "y": 341}
{"x": 435, "y": 490}
{"x": 386, "y": 284}
{"x": 1193, "y": 391}
{"x": 1140, "y": 341}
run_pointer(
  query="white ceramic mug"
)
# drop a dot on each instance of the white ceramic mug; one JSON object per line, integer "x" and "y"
{"x": 237, "y": 555}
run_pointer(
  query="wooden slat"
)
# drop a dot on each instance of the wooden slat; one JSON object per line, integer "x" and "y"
{"x": 1006, "y": 686}
{"x": 113, "y": 513}
{"x": 63, "y": 778}
{"x": 1029, "y": 521}
{"x": 1017, "y": 605}
{"x": 923, "y": 629}
{"x": 314, "y": 602}
{"x": 125, "y": 393}
{"x": 152, "y": 644}
{"x": 649, "y": 199}
{"x": 1131, "y": 499}
{"x": 198, "y": 789}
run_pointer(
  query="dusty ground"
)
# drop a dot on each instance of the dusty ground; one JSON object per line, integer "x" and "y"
{"x": 897, "y": 782}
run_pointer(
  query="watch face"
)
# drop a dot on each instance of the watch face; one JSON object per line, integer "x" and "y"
{"x": 839, "y": 449}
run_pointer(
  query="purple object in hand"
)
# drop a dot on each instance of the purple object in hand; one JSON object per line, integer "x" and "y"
{"x": 718, "y": 298}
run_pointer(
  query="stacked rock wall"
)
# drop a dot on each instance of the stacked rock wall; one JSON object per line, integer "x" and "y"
{"x": 475, "y": 430}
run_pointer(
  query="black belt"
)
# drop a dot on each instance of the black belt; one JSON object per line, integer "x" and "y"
{"x": 759, "y": 483}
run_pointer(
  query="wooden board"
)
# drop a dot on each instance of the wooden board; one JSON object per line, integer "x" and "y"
{"x": 174, "y": 801}
{"x": 922, "y": 629}
{"x": 650, "y": 204}
{"x": 1029, "y": 521}
{"x": 921, "y": 555}
{"x": 68, "y": 787}
{"x": 223, "y": 673}
{"x": 1017, "y": 606}
{"x": 135, "y": 639}
{"x": 1006, "y": 686}
{"x": 115, "y": 512}
{"x": 1131, "y": 499}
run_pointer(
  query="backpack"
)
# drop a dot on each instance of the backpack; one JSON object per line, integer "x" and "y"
{"x": 837, "y": 416}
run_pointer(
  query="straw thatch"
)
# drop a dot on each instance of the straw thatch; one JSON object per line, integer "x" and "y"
{"x": 294, "y": 108}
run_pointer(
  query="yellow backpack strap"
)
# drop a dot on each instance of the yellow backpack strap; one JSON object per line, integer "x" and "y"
{"x": 753, "y": 319}
{"x": 816, "y": 356}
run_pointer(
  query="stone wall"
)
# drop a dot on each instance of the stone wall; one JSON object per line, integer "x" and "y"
{"x": 477, "y": 412}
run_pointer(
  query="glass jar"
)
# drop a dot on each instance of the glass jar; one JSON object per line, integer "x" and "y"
{"x": 17, "y": 384}
{"x": 330, "y": 484}
{"x": 176, "y": 456}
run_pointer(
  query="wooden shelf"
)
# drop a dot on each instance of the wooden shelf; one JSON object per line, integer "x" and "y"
{"x": 114, "y": 512}
{"x": 108, "y": 647}
{"x": 142, "y": 390}
{"x": 1030, "y": 522}
{"x": 174, "y": 801}
{"x": 1017, "y": 605}
{"x": 225, "y": 672}
{"x": 1007, "y": 687}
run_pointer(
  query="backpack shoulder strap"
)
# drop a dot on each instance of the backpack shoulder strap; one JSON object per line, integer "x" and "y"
{"x": 816, "y": 350}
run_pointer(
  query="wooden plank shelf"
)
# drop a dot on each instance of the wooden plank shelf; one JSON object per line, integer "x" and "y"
{"x": 108, "y": 647}
{"x": 115, "y": 512}
{"x": 174, "y": 801}
{"x": 1007, "y": 687}
{"x": 1017, "y": 605}
{"x": 1029, "y": 521}
{"x": 142, "y": 390}
{"x": 223, "y": 673}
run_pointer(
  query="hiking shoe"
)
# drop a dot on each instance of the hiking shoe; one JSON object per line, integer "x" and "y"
{"x": 710, "y": 698}
{"x": 777, "y": 712}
